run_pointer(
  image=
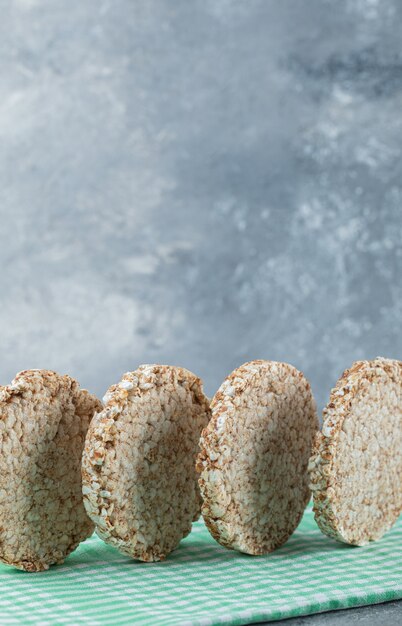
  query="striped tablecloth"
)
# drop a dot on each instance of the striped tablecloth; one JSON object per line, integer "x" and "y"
{"x": 201, "y": 583}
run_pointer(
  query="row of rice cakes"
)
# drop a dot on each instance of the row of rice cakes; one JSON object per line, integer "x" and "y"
{"x": 140, "y": 467}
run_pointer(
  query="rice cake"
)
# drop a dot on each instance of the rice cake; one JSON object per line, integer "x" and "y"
{"x": 44, "y": 418}
{"x": 139, "y": 480}
{"x": 356, "y": 466}
{"x": 254, "y": 456}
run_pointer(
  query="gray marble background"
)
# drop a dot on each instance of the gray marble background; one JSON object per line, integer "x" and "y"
{"x": 199, "y": 183}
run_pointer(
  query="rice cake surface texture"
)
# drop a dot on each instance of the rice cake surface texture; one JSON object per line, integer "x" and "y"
{"x": 44, "y": 418}
{"x": 356, "y": 466}
{"x": 139, "y": 479}
{"x": 254, "y": 456}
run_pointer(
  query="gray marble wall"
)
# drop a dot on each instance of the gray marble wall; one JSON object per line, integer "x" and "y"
{"x": 199, "y": 182}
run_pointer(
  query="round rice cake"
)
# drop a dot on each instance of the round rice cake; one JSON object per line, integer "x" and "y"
{"x": 356, "y": 466}
{"x": 139, "y": 479}
{"x": 44, "y": 418}
{"x": 254, "y": 456}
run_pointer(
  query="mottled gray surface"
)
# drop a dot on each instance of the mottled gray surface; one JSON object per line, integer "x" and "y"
{"x": 201, "y": 183}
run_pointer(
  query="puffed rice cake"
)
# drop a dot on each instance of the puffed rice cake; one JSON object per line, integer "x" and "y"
{"x": 254, "y": 456}
{"x": 44, "y": 418}
{"x": 356, "y": 466}
{"x": 139, "y": 480}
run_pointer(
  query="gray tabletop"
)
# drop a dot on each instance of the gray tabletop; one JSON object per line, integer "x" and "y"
{"x": 388, "y": 613}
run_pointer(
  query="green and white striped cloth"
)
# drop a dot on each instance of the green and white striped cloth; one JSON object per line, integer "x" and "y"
{"x": 203, "y": 584}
